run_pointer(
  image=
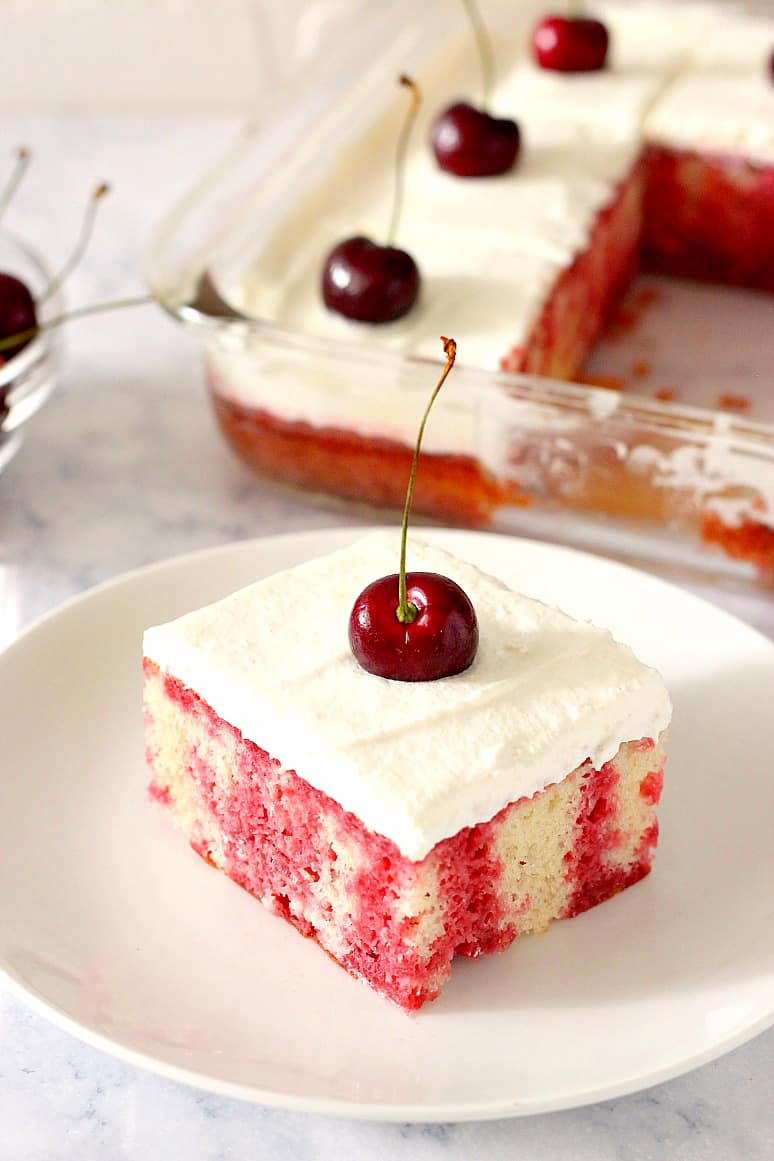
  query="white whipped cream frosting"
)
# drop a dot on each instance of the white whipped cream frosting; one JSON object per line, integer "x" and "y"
{"x": 726, "y": 114}
{"x": 414, "y": 761}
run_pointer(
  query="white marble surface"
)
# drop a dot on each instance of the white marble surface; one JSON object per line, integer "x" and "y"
{"x": 124, "y": 467}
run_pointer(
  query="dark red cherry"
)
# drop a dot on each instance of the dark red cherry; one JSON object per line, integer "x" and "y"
{"x": 414, "y": 626}
{"x": 369, "y": 283}
{"x": 440, "y": 641}
{"x": 17, "y": 313}
{"x": 570, "y": 44}
{"x": 469, "y": 142}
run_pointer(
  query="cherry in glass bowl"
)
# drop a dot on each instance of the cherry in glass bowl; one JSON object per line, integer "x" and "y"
{"x": 27, "y": 376}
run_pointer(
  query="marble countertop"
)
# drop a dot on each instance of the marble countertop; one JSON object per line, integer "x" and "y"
{"x": 124, "y": 467}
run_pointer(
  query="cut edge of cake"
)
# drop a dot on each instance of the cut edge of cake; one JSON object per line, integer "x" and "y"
{"x": 394, "y": 921}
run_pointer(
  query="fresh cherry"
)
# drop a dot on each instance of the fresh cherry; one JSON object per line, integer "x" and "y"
{"x": 417, "y": 626}
{"x": 17, "y": 306}
{"x": 470, "y": 142}
{"x": 17, "y": 314}
{"x": 570, "y": 44}
{"x": 366, "y": 281}
{"x": 440, "y": 641}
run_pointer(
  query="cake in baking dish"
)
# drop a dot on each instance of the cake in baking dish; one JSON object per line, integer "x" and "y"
{"x": 664, "y": 160}
{"x": 401, "y": 824}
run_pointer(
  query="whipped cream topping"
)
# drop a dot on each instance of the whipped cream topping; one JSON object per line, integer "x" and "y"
{"x": 718, "y": 113}
{"x": 737, "y": 42}
{"x": 414, "y": 761}
{"x": 657, "y": 35}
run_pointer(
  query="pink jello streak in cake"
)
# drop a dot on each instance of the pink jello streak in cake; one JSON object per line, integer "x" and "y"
{"x": 709, "y": 218}
{"x": 598, "y": 834}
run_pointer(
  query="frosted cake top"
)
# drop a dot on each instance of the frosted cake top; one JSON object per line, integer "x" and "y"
{"x": 415, "y": 762}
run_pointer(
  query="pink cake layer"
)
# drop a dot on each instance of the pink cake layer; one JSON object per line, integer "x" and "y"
{"x": 710, "y": 218}
{"x": 394, "y": 923}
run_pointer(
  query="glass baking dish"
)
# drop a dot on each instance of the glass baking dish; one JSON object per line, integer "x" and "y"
{"x": 681, "y": 486}
{"x": 28, "y": 377}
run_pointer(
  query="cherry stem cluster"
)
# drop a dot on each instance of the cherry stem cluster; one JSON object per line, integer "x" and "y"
{"x": 79, "y": 312}
{"x": 406, "y": 612}
{"x": 23, "y": 156}
{"x": 400, "y": 154}
{"x": 485, "y": 50}
{"x": 87, "y": 225}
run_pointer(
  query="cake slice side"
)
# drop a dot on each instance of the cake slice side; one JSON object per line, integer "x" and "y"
{"x": 395, "y": 923}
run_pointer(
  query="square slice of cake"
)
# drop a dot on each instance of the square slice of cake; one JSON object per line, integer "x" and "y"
{"x": 401, "y": 824}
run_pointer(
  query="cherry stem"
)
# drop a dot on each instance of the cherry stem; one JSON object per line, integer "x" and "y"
{"x": 79, "y": 312}
{"x": 87, "y": 225}
{"x": 406, "y": 612}
{"x": 400, "y": 154}
{"x": 23, "y": 156}
{"x": 485, "y": 50}
{"x": 575, "y": 9}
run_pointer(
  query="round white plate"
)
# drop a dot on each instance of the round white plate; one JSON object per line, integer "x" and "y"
{"x": 119, "y": 932}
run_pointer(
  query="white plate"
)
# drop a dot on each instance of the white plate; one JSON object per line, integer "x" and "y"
{"x": 115, "y": 929}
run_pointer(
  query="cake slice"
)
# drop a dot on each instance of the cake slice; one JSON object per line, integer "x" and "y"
{"x": 400, "y": 824}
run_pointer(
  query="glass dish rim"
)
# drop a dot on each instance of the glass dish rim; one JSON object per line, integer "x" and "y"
{"x": 604, "y": 403}
{"x": 45, "y": 343}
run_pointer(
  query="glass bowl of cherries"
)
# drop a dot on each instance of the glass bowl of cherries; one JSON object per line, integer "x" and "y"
{"x": 30, "y": 298}
{"x": 28, "y": 366}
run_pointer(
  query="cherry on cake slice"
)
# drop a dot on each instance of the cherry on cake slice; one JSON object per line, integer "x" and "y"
{"x": 400, "y": 824}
